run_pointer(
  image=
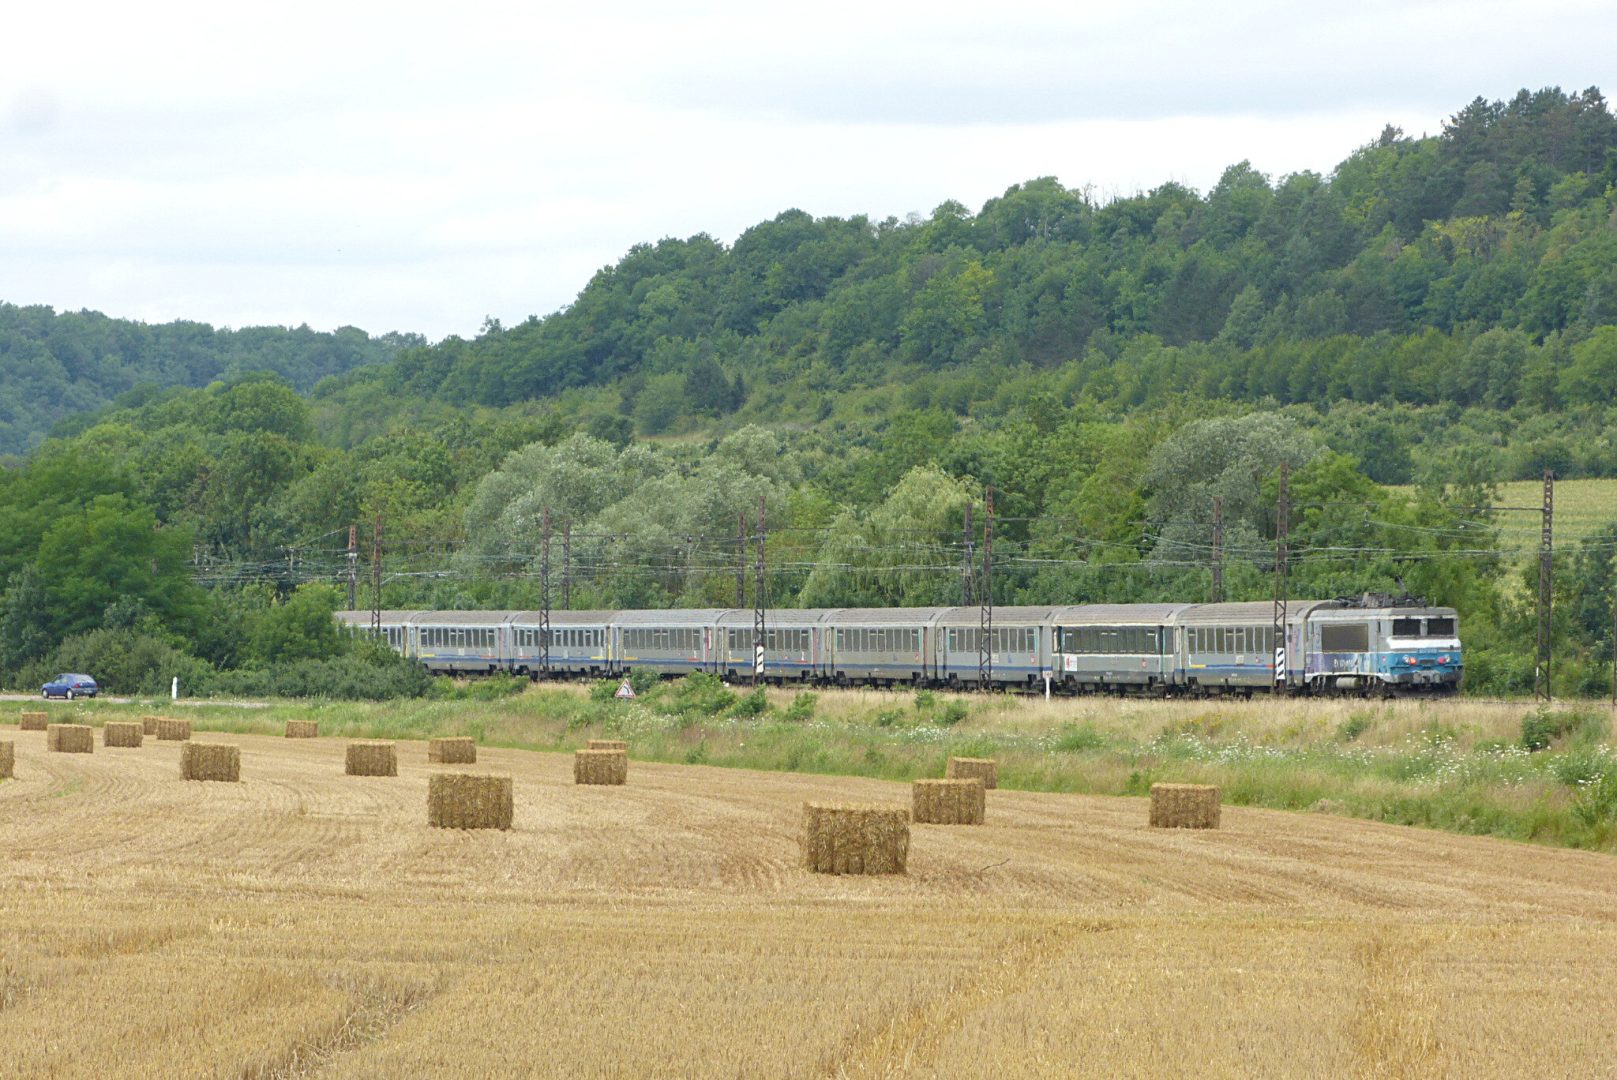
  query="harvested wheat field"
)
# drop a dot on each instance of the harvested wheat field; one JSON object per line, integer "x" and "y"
{"x": 301, "y": 924}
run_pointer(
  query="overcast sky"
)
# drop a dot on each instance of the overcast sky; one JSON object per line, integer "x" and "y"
{"x": 353, "y": 164}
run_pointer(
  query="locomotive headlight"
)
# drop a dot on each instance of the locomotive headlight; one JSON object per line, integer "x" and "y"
{"x": 1410, "y": 660}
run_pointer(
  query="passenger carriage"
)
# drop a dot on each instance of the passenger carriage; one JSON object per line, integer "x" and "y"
{"x": 1230, "y": 648}
{"x": 580, "y": 643}
{"x": 1117, "y": 648}
{"x": 678, "y": 641}
{"x": 1019, "y": 646}
{"x": 453, "y": 642}
{"x": 793, "y": 649}
{"x": 880, "y": 646}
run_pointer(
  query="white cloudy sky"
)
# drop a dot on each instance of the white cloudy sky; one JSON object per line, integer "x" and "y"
{"x": 373, "y": 165}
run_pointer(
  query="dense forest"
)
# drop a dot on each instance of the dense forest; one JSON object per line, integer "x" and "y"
{"x": 58, "y": 366}
{"x": 1438, "y": 312}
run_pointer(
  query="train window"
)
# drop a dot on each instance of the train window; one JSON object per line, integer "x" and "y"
{"x": 1443, "y": 627}
{"x": 1406, "y": 628}
{"x": 1345, "y": 637}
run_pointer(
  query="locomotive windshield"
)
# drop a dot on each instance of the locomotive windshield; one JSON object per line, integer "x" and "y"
{"x": 1435, "y": 627}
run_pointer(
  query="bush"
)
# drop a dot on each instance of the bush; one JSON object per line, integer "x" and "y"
{"x": 499, "y": 685}
{"x": 953, "y": 713}
{"x": 924, "y": 700}
{"x": 1596, "y": 802}
{"x": 700, "y": 694}
{"x": 751, "y": 705}
{"x": 1078, "y": 738}
{"x": 1354, "y": 726}
{"x": 1543, "y": 727}
{"x": 802, "y": 706}
{"x": 121, "y": 661}
{"x": 362, "y": 675}
{"x": 1578, "y": 768}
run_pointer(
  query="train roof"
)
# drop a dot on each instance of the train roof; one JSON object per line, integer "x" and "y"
{"x": 879, "y": 616}
{"x": 390, "y": 616}
{"x": 668, "y": 617}
{"x": 1253, "y": 611}
{"x": 1111, "y": 614}
{"x": 1003, "y": 616}
{"x": 793, "y": 617}
{"x": 1348, "y": 614}
{"x": 562, "y": 618}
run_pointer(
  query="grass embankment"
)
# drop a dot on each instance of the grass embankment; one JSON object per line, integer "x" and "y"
{"x": 1497, "y": 769}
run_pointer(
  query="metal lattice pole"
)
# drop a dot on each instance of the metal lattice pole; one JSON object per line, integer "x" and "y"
{"x": 1282, "y": 567}
{"x": 544, "y": 592}
{"x": 985, "y": 626}
{"x": 376, "y": 576}
{"x": 567, "y": 565}
{"x": 741, "y": 558}
{"x": 1216, "y": 595}
{"x": 1542, "y": 689}
{"x": 967, "y": 564}
{"x": 760, "y": 601}
{"x": 353, "y": 566}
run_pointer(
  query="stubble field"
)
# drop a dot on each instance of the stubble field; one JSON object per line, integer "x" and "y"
{"x": 308, "y": 923}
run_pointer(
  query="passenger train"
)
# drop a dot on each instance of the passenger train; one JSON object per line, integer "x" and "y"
{"x": 1363, "y": 646}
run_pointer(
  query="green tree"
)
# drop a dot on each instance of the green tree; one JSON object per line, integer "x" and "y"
{"x": 114, "y": 550}
{"x": 299, "y": 628}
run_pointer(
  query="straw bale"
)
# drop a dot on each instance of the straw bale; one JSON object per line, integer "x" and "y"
{"x": 8, "y": 758}
{"x": 148, "y": 725}
{"x": 173, "y": 730}
{"x": 850, "y": 838}
{"x": 32, "y": 721}
{"x": 965, "y": 768}
{"x": 469, "y": 801}
{"x": 452, "y": 750}
{"x": 303, "y": 729}
{"x": 1184, "y": 806}
{"x": 70, "y": 738}
{"x": 372, "y": 759}
{"x": 600, "y": 766}
{"x": 607, "y": 744}
{"x": 210, "y": 761}
{"x": 123, "y": 733}
{"x": 948, "y": 802}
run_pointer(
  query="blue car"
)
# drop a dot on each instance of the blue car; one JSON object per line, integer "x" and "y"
{"x": 70, "y": 686}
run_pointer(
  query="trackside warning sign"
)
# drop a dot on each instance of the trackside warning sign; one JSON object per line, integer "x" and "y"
{"x": 624, "y": 690}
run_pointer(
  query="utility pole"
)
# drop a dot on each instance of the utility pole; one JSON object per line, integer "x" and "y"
{"x": 353, "y": 566}
{"x": 966, "y": 564}
{"x": 741, "y": 558}
{"x": 544, "y": 592}
{"x": 376, "y": 577}
{"x": 1217, "y": 595}
{"x": 985, "y": 642}
{"x": 758, "y": 611}
{"x": 1282, "y": 560}
{"x": 567, "y": 565}
{"x": 1542, "y": 689}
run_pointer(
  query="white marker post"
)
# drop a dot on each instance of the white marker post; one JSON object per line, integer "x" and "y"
{"x": 174, "y": 689}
